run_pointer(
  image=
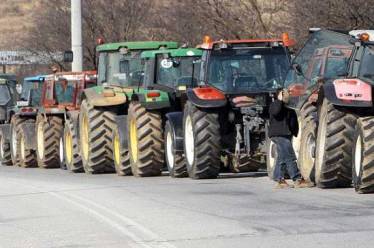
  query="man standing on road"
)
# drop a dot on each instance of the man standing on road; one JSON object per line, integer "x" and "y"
{"x": 282, "y": 126}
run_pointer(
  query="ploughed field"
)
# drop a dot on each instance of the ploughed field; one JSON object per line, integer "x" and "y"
{"x": 54, "y": 208}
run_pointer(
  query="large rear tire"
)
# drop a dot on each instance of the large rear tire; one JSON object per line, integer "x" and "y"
{"x": 175, "y": 160}
{"x": 95, "y": 130}
{"x": 121, "y": 156}
{"x": 363, "y": 156}
{"x": 27, "y": 156}
{"x": 146, "y": 143}
{"x": 72, "y": 156}
{"x": 5, "y": 151}
{"x": 49, "y": 131}
{"x": 15, "y": 131}
{"x": 307, "y": 155}
{"x": 202, "y": 142}
{"x": 333, "y": 162}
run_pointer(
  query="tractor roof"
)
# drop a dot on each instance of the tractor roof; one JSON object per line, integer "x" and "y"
{"x": 181, "y": 52}
{"x": 11, "y": 77}
{"x": 73, "y": 76}
{"x": 137, "y": 45}
{"x": 214, "y": 44}
{"x": 39, "y": 78}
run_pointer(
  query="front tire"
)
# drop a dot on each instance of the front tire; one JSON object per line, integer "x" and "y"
{"x": 334, "y": 147}
{"x": 27, "y": 157}
{"x": 48, "y": 132}
{"x": 146, "y": 144}
{"x": 72, "y": 155}
{"x": 5, "y": 151}
{"x": 307, "y": 155}
{"x": 363, "y": 156}
{"x": 202, "y": 142}
{"x": 95, "y": 130}
{"x": 121, "y": 156}
{"x": 175, "y": 160}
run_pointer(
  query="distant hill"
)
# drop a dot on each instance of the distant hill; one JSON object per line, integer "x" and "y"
{"x": 15, "y": 20}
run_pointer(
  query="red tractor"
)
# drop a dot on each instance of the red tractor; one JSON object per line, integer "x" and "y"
{"x": 59, "y": 106}
{"x": 224, "y": 120}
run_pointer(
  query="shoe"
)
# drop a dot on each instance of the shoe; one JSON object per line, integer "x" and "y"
{"x": 301, "y": 183}
{"x": 282, "y": 184}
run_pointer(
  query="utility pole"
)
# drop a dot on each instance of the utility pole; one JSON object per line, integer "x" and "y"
{"x": 76, "y": 34}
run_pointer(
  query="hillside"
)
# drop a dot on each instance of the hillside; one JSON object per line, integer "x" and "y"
{"x": 15, "y": 20}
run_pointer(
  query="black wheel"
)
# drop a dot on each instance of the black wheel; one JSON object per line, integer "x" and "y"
{"x": 15, "y": 130}
{"x": 72, "y": 156}
{"x": 363, "y": 156}
{"x": 305, "y": 115}
{"x": 27, "y": 156}
{"x": 121, "y": 155}
{"x": 307, "y": 153}
{"x": 95, "y": 131}
{"x": 175, "y": 160}
{"x": 271, "y": 157}
{"x": 333, "y": 162}
{"x": 5, "y": 151}
{"x": 146, "y": 143}
{"x": 48, "y": 137}
{"x": 202, "y": 142}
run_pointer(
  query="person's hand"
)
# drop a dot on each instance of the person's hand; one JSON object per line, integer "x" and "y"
{"x": 280, "y": 96}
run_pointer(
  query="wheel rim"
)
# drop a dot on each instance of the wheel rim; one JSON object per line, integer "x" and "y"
{"x": 84, "y": 137}
{"x": 22, "y": 147}
{"x": 68, "y": 147}
{"x": 311, "y": 147}
{"x": 117, "y": 148}
{"x": 133, "y": 140}
{"x": 169, "y": 150}
{"x": 358, "y": 155}
{"x": 189, "y": 140}
{"x": 297, "y": 140}
{"x": 40, "y": 139}
{"x": 61, "y": 149}
{"x": 14, "y": 142}
{"x": 1, "y": 147}
{"x": 272, "y": 155}
{"x": 321, "y": 144}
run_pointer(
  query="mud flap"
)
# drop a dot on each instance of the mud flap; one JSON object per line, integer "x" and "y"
{"x": 121, "y": 122}
{"x": 176, "y": 123}
{"x": 28, "y": 130}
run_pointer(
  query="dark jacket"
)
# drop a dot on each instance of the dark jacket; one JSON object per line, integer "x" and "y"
{"x": 283, "y": 122}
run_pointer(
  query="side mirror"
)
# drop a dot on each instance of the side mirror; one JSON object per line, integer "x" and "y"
{"x": 296, "y": 90}
{"x": 19, "y": 88}
{"x": 68, "y": 56}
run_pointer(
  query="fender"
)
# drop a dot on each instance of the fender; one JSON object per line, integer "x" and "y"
{"x": 29, "y": 134}
{"x": 100, "y": 96}
{"x": 152, "y": 99}
{"x": 216, "y": 101}
{"x": 330, "y": 93}
{"x": 176, "y": 123}
{"x": 5, "y": 131}
{"x": 121, "y": 122}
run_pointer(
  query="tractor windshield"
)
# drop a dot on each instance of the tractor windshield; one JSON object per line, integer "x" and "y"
{"x": 337, "y": 62}
{"x": 367, "y": 64}
{"x": 173, "y": 72}
{"x": 65, "y": 92}
{"x": 4, "y": 94}
{"x": 123, "y": 70}
{"x": 33, "y": 91}
{"x": 248, "y": 70}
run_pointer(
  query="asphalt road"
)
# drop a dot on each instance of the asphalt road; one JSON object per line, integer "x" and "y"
{"x": 54, "y": 208}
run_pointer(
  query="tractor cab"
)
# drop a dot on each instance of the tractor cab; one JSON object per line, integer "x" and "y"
{"x": 120, "y": 63}
{"x": 8, "y": 95}
{"x": 171, "y": 71}
{"x": 63, "y": 90}
{"x": 31, "y": 91}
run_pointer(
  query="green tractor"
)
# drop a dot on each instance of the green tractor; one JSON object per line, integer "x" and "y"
{"x": 120, "y": 75}
{"x": 139, "y": 139}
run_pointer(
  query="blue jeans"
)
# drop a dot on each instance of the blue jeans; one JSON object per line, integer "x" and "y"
{"x": 286, "y": 159}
